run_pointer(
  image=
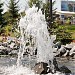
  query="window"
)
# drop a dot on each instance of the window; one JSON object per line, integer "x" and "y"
{"x": 70, "y": 7}
{"x": 64, "y": 6}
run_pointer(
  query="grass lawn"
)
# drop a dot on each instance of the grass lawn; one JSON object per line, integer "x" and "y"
{"x": 70, "y": 29}
{"x": 73, "y": 35}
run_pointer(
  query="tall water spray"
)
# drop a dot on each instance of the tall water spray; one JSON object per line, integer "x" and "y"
{"x": 33, "y": 29}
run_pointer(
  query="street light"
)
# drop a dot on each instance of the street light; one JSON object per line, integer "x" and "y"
{"x": 51, "y": 16}
{"x": 51, "y": 9}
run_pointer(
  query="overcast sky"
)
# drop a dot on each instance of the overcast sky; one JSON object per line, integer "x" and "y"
{"x": 22, "y": 4}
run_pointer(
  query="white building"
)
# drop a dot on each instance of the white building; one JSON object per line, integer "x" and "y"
{"x": 64, "y": 5}
{"x": 65, "y": 8}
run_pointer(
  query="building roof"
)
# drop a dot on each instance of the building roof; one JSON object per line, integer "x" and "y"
{"x": 65, "y": 12}
{"x": 67, "y": 0}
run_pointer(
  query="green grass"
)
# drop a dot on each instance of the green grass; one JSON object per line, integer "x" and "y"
{"x": 70, "y": 29}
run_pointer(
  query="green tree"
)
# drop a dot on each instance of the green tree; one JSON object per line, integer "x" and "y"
{"x": 7, "y": 17}
{"x": 2, "y": 20}
{"x": 50, "y": 15}
{"x": 35, "y": 2}
{"x": 63, "y": 34}
{"x": 13, "y": 11}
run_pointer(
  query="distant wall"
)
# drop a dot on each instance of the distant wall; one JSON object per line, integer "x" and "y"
{"x": 57, "y": 5}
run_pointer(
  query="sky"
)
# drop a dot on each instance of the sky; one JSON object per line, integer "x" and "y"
{"x": 22, "y": 4}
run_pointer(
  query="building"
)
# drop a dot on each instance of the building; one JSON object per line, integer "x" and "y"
{"x": 66, "y": 9}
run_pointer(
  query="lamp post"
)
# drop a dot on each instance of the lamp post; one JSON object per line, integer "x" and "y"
{"x": 51, "y": 10}
{"x": 50, "y": 14}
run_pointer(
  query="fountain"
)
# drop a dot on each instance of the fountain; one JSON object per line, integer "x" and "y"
{"x": 34, "y": 31}
{"x": 34, "y": 35}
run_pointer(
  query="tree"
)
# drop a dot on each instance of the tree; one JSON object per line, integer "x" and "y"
{"x": 13, "y": 11}
{"x": 50, "y": 14}
{"x": 2, "y": 20}
{"x": 1, "y": 16}
{"x": 63, "y": 35}
{"x": 35, "y": 2}
{"x": 6, "y": 15}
